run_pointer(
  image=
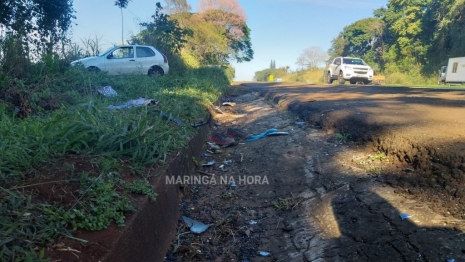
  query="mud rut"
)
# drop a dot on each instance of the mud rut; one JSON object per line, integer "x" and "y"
{"x": 327, "y": 199}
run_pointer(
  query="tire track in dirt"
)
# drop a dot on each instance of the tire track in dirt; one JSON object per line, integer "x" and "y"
{"x": 321, "y": 203}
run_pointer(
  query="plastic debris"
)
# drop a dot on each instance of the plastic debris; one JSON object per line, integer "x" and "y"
{"x": 278, "y": 134}
{"x": 205, "y": 155}
{"x": 228, "y": 104}
{"x": 269, "y": 132}
{"x": 300, "y": 124}
{"x": 211, "y": 163}
{"x": 167, "y": 116}
{"x": 253, "y": 222}
{"x": 404, "y": 216}
{"x": 264, "y": 254}
{"x": 451, "y": 260}
{"x": 195, "y": 226}
{"x": 233, "y": 185}
{"x": 227, "y": 162}
{"x": 134, "y": 103}
{"x": 223, "y": 169}
{"x": 107, "y": 91}
{"x": 213, "y": 146}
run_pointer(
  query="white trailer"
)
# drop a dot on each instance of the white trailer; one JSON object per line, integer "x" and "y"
{"x": 454, "y": 72}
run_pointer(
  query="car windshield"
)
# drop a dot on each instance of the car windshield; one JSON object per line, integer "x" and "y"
{"x": 106, "y": 51}
{"x": 353, "y": 61}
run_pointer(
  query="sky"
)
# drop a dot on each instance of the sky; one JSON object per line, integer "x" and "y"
{"x": 280, "y": 29}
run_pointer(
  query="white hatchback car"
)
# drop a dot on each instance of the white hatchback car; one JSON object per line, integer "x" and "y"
{"x": 128, "y": 59}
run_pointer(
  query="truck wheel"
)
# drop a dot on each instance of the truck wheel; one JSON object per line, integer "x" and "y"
{"x": 341, "y": 78}
{"x": 328, "y": 78}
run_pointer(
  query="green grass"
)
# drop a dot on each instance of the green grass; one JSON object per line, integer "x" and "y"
{"x": 67, "y": 118}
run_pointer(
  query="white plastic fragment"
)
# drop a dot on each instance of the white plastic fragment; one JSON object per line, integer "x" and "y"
{"x": 264, "y": 254}
{"x": 194, "y": 225}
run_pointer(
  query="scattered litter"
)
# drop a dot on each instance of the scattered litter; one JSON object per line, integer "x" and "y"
{"x": 221, "y": 139}
{"x": 233, "y": 185}
{"x": 234, "y": 122}
{"x": 408, "y": 169}
{"x": 300, "y": 124}
{"x": 211, "y": 163}
{"x": 253, "y": 222}
{"x": 228, "y": 104}
{"x": 167, "y": 116}
{"x": 134, "y": 103}
{"x": 278, "y": 134}
{"x": 223, "y": 169}
{"x": 451, "y": 260}
{"x": 264, "y": 254}
{"x": 205, "y": 155}
{"x": 269, "y": 132}
{"x": 213, "y": 146}
{"x": 107, "y": 91}
{"x": 218, "y": 110}
{"x": 405, "y": 216}
{"x": 227, "y": 162}
{"x": 194, "y": 225}
{"x": 227, "y": 100}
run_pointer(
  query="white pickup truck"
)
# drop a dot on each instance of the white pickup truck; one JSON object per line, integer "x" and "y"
{"x": 350, "y": 69}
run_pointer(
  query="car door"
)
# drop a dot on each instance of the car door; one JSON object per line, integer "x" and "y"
{"x": 336, "y": 66}
{"x": 146, "y": 58}
{"x": 121, "y": 61}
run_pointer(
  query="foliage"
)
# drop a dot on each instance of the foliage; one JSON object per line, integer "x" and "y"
{"x": 410, "y": 37}
{"x": 312, "y": 58}
{"x": 177, "y": 6}
{"x": 42, "y": 23}
{"x": 264, "y": 74}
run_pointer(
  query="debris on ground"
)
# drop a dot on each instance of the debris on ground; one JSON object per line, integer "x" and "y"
{"x": 269, "y": 132}
{"x": 210, "y": 163}
{"x": 107, "y": 91}
{"x": 405, "y": 216}
{"x": 264, "y": 254}
{"x": 237, "y": 133}
{"x": 142, "y": 101}
{"x": 167, "y": 116}
{"x": 195, "y": 226}
{"x": 218, "y": 110}
{"x": 228, "y": 104}
{"x": 221, "y": 139}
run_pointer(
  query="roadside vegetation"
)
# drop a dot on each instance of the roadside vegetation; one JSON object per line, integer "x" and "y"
{"x": 67, "y": 161}
{"x": 406, "y": 41}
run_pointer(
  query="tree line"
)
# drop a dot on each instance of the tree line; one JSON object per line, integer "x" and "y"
{"x": 215, "y": 35}
{"x": 416, "y": 36}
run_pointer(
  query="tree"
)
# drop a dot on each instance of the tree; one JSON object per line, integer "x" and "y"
{"x": 230, "y": 17}
{"x": 177, "y": 6}
{"x": 164, "y": 33}
{"x": 312, "y": 58}
{"x": 122, "y": 4}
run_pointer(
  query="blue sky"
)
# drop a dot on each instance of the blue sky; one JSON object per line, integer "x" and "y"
{"x": 280, "y": 29}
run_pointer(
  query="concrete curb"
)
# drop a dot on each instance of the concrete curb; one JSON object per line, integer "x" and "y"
{"x": 149, "y": 233}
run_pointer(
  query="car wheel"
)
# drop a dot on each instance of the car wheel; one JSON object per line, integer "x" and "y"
{"x": 155, "y": 71}
{"x": 366, "y": 82}
{"x": 93, "y": 69}
{"x": 328, "y": 78}
{"x": 341, "y": 78}
{"x": 352, "y": 82}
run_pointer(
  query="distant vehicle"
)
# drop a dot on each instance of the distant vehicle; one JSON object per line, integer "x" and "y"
{"x": 128, "y": 59}
{"x": 454, "y": 72}
{"x": 350, "y": 69}
{"x": 278, "y": 80}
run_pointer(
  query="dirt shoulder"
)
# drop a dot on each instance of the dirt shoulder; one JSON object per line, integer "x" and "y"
{"x": 330, "y": 195}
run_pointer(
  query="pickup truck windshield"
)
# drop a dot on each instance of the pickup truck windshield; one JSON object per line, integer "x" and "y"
{"x": 353, "y": 61}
